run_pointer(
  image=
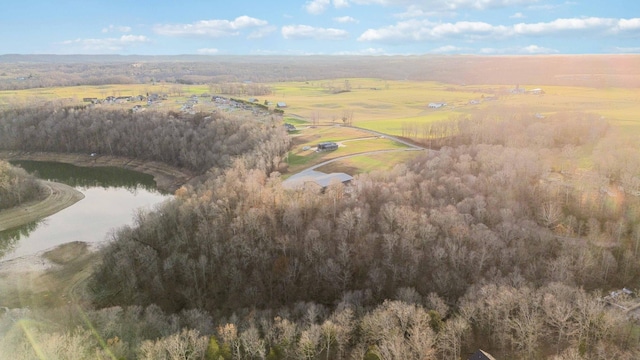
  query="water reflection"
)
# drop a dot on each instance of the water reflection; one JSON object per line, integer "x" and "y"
{"x": 86, "y": 177}
{"x": 9, "y": 238}
{"x": 112, "y": 197}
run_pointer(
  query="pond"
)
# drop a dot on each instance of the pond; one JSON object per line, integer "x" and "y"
{"x": 112, "y": 197}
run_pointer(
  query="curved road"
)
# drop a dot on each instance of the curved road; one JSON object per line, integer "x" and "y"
{"x": 412, "y": 147}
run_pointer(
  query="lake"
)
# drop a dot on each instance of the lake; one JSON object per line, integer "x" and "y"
{"x": 112, "y": 197}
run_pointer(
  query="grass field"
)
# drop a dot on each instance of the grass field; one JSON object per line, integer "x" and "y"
{"x": 375, "y": 104}
{"x": 368, "y": 163}
{"x": 385, "y": 105}
{"x": 351, "y": 141}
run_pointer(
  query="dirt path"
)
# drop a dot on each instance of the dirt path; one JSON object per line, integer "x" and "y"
{"x": 59, "y": 196}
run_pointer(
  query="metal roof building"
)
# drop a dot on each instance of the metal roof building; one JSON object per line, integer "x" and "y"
{"x": 315, "y": 177}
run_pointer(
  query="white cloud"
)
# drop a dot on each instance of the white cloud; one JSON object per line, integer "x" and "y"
{"x": 368, "y": 51}
{"x": 208, "y": 51}
{"x": 416, "y": 30}
{"x": 551, "y": 7}
{"x": 425, "y": 30}
{"x": 340, "y": 3}
{"x": 415, "y": 11}
{"x": 310, "y": 32}
{"x": 345, "y": 19}
{"x": 107, "y": 44}
{"x": 628, "y": 24}
{"x": 262, "y": 32}
{"x": 560, "y": 25}
{"x": 211, "y": 28}
{"x": 115, "y": 28}
{"x": 440, "y": 5}
{"x": 517, "y": 15}
{"x": 448, "y": 49}
{"x": 317, "y": 7}
{"x": 535, "y": 49}
{"x": 529, "y": 50}
{"x": 627, "y": 50}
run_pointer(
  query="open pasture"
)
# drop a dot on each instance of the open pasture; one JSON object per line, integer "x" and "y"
{"x": 351, "y": 141}
{"x": 384, "y": 161}
{"x": 384, "y": 105}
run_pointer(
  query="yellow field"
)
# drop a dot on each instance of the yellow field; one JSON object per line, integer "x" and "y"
{"x": 375, "y": 104}
{"x": 367, "y": 163}
{"x": 351, "y": 141}
{"x": 385, "y": 105}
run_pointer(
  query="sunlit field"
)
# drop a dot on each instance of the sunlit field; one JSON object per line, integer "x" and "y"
{"x": 375, "y": 104}
{"x": 351, "y": 141}
{"x": 385, "y": 105}
{"x": 382, "y": 105}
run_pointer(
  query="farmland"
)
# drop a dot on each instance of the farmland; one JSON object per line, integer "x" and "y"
{"x": 385, "y": 106}
{"x": 529, "y": 206}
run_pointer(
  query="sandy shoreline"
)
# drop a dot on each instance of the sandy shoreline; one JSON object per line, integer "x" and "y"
{"x": 60, "y": 196}
{"x": 38, "y": 262}
{"x": 167, "y": 178}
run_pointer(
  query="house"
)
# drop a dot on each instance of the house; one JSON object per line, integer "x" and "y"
{"x": 536, "y": 91}
{"x": 327, "y": 146}
{"x": 281, "y": 105}
{"x": 481, "y": 355}
{"x": 122, "y": 99}
{"x": 316, "y": 179}
{"x": 436, "y": 105}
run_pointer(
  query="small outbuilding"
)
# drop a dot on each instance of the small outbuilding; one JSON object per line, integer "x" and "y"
{"x": 281, "y": 105}
{"x": 327, "y": 146}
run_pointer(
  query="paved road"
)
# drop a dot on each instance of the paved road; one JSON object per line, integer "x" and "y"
{"x": 310, "y": 170}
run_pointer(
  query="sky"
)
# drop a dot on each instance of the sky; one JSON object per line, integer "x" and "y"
{"x": 320, "y": 27}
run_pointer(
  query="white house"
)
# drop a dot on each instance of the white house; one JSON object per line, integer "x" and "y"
{"x": 436, "y": 105}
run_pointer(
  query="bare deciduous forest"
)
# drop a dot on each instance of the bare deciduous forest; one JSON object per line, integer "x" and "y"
{"x": 33, "y": 71}
{"x": 493, "y": 241}
{"x": 16, "y": 186}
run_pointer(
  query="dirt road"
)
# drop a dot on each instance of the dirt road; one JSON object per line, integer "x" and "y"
{"x": 59, "y": 196}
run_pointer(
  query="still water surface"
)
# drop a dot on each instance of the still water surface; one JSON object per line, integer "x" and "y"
{"x": 112, "y": 197}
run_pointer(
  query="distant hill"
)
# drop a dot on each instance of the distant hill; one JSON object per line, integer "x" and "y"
{"x": 573, "y": 70}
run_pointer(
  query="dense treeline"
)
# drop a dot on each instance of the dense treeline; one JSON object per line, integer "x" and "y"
{"x": 527, "y": 323}
{"x": 438, "y": 226}
{"x": 17, "y": 186}
{"x": 509, "y": 127}
{"x": 479, "y": 244}
{"x": 196, "y": 142}
{"x": 502, "y": 252}
{"x": 33, "y": 71}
